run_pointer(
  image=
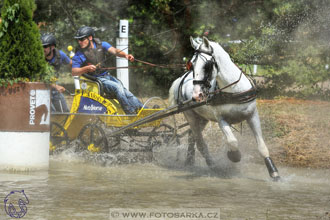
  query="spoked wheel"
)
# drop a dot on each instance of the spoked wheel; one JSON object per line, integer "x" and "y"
{"x": 93, "y": 139}
{"x": 113, "y": 141}
{"x": 166, "y": 132}
{"x": 58, "y": 137}
{"x": 163, "y": 134}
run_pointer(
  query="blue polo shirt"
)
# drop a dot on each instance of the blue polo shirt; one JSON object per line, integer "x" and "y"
{"x": 64, "y": 59}
{"x": 79, "y": 58}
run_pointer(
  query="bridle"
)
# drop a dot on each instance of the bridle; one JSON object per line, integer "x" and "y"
{"x": 208, "y": 67}
{"x": 218, "y": 96}
{"x": 208, "y": 72}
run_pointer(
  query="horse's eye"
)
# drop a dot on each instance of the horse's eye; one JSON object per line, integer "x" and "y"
{"x": 189, "y": 65}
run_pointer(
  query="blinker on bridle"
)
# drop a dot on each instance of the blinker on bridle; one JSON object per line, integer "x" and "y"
{"x": 208, "y": 67}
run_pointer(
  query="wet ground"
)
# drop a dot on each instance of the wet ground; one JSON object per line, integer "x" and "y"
{"x": 86, "y": 186}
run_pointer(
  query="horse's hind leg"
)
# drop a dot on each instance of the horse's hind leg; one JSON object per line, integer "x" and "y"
{"x": 233, "y": 154}
{"x": 254, "y": 124}
{"x": 197, "y": 124}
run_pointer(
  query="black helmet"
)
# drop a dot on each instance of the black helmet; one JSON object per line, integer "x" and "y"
{"x": 84, "y": 31}
{"x": 48, "y": 39}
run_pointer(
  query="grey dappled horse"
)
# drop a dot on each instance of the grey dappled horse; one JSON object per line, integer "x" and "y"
{"x": 213, "y": 72}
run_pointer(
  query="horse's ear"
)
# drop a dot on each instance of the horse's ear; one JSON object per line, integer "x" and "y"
{"x": 194, "y": 44}
{"x": 206, "y": 42}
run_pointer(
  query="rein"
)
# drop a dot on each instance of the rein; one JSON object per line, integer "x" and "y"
{"x": 174, "y": 66}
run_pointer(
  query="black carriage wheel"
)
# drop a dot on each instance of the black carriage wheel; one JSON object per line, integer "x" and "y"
{"x": 162, "y": 134}
{"x": 58, "y": 136}
{"x": 92, "y": 138}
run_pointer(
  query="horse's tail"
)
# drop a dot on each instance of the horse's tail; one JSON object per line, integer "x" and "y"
{"x": 173, "y": 92}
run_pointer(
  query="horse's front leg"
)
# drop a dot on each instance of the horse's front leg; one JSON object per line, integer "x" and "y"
{"x": 233, "y": 154}
{"x": 254, "y": 123}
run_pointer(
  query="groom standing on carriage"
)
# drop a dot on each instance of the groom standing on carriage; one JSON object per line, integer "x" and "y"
{"x": 89, "y": 59}
{"x": 56, "y": 58}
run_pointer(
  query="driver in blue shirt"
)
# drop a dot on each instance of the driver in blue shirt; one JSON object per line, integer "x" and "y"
{"x": 89, "y": 59}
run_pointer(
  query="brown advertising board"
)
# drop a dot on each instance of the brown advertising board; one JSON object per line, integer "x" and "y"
{"x": 25, "y": 107}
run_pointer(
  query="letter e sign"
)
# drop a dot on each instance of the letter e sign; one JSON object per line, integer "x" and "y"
{"x": 123, "y": 29}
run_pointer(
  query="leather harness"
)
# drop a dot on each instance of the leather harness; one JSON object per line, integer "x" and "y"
{"x": 219, "y": 97}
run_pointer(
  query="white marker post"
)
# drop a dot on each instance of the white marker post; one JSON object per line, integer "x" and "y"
{"x": 122, "y": 44}
{"x": 255, "y": 68}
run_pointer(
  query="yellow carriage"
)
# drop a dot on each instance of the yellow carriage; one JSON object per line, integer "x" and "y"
{"x": 94, "y": 116}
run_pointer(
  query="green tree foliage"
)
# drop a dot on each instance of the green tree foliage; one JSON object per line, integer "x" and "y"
{"x": 288, "y": 38}
{"x": 160, "y": 34}
{"x": 297, "y": 48}
{"x": 63, "y": 18}
{"x": 21, "y": 51}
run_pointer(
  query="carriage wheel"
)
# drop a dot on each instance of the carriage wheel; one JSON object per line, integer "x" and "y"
{"x": 167, "y": 130}
{"x": 92, "y": 138}
{"x": 163, "y": 134}
{"x": 58, "y": 137}
{"x": 113, "y": 141}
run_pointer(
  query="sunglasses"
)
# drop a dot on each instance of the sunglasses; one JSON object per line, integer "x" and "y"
{"x": 82, "y": 39}
{"x": 46, "y": 46}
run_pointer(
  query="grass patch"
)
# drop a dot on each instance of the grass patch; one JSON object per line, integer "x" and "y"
{"x": 299, "y": 129}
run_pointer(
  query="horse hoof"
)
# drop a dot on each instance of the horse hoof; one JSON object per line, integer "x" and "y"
{"x": 234, "y": 156}
{"x": 275, "y": 176}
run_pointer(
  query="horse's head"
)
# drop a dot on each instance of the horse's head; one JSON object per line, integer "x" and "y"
{"x": 203, "y": 65}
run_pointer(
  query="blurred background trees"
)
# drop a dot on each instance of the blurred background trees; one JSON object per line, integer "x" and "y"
{"x": 19, "y": 41}
{"x": 287, "y": 39}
